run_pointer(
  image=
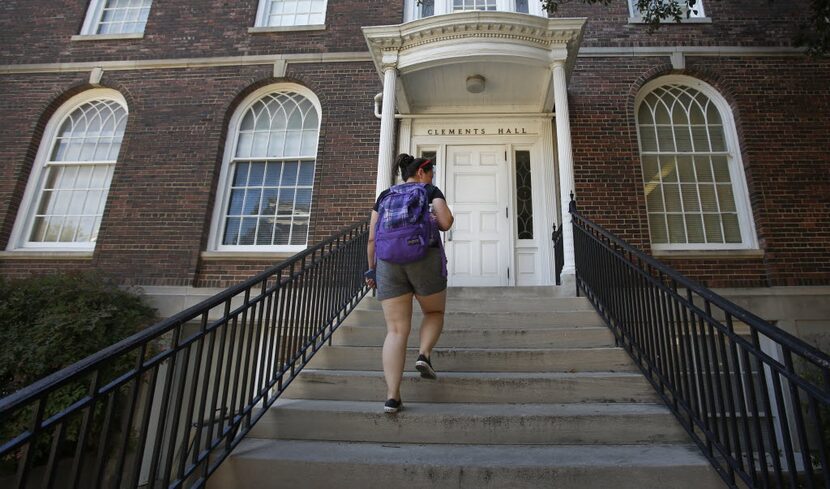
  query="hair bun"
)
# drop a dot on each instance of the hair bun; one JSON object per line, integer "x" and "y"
{"x": 404, "y": 160}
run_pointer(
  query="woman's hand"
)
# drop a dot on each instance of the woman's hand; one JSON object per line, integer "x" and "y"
{"x": 369, "y": 275}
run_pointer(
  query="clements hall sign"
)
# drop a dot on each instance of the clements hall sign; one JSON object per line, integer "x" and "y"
{"x": 477, "y": 131}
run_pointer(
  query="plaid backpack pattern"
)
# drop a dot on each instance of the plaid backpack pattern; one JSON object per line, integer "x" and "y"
{"x": 404, "y": 228}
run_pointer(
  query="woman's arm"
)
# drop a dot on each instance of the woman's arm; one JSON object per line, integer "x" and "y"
{"x": 370, "y": 247}
{"x": 442, "y": 213}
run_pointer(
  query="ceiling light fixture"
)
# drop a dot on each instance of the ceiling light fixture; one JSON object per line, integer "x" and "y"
{"x": 475, "y": 84}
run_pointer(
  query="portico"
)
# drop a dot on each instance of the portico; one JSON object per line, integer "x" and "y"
{"x": 479, "y": 92}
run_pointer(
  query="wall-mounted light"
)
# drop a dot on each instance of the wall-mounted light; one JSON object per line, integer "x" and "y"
{"x": 475, "y": 84}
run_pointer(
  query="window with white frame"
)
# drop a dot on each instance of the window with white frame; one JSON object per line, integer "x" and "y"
{"x": 693, "y": 179}
{"x": 116, "y": 17}
{"x": 696, "y": 11}
{"x": 68, "y": 185}
{"x": 287, "y": 13}
{"x": 269, "y": 173}
{"x": 427, "y": 8}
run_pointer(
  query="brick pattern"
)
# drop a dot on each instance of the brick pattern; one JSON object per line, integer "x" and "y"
{"x": 160, "y": 203}
{"x": 16, "y": 269}
{"x": 219, "y": 27}
{"x": 733, "y": 23}
{"x": 41, "y": 32}
{"x": 157, "y": 218}
{"x": 781, "y": 107}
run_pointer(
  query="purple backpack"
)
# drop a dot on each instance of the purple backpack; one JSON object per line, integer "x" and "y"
{"x": 404, "y": 228}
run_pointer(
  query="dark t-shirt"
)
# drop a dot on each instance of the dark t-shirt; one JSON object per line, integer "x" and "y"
{"x": 433, "y": 193}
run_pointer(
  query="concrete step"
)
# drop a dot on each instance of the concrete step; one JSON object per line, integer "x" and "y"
{"x": 502, "y": 387}
{"x": 258, "y": 463}
{"x": 524, "y": 293}
{"x": 483, "y": 359}
{"x": 587, "y": 337}
{"x": 509, "y": 424}
{"x": 508, "y": 320}
{"x": 518, "y": 304}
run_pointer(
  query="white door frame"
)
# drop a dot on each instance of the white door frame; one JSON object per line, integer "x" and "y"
{"x": 542, "y": 146}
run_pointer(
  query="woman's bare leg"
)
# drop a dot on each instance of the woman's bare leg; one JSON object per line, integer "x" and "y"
{"x": 398, "y": 314}
{"x": 433, "y": 323}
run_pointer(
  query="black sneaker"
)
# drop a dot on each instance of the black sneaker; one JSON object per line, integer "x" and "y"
{"x": 424, "y": 366}
{"x": 392, "y": 406}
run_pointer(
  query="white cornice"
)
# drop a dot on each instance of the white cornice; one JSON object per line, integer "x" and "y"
{"x": 423, "y": 39}
{"x": 613, "y": 52}
{"x": 156, "y": 64}
{"x": 351, "y": 57}
{"x": 505, "y": 25}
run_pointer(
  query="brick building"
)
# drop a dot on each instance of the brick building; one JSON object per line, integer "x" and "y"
{"x": 188, "y": 147}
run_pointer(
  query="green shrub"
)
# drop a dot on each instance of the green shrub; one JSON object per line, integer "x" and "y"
{"x": 50, "y": 322}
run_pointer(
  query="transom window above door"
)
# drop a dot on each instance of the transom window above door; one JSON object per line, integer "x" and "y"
{"x": 427, "y": 8}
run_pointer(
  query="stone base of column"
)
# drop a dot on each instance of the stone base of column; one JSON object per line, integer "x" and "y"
{"x": 568, "y": 287}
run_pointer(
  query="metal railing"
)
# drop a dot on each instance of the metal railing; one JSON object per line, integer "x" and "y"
{"x": 754, "y": 398}
{"x": 166, "y": 406}
{"x": 558, "y": 252}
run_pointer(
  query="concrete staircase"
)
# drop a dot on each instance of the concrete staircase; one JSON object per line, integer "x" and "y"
{"x": 531, "y": 393}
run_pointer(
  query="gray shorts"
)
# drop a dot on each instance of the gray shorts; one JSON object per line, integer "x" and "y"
{"x": 422, "y": 277}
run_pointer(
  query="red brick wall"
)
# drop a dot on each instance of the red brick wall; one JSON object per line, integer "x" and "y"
{"x": 734, "y": 23}
{"x": 157, "y": 218}
{"x": 39, "y": 31}
{"x": 781, "y": 108}
{"x": 158, "y": 212}
{"x": 13, "y": 269}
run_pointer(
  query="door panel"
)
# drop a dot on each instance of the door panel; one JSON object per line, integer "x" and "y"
{"x": 478, "y": 193}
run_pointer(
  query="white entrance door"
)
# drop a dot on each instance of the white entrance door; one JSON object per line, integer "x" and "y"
{"x": 478, "y": 194}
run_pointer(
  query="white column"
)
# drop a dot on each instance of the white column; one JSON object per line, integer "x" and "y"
{"x": 566, "y": 165}
{"x": 387, "y": 129}
{"x": 549, "y": 200}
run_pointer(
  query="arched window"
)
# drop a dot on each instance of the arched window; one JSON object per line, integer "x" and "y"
{"x": 694, "y": 181}
{"x": 68, "y": 186}
{"x": 268, "y": 175}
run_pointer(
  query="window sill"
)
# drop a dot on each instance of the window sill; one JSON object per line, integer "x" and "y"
{"x": 45, "y": 255}
{"x": 245, "y": 255}
{"x": 693, "y": 20}
{"x": 107, "y": 37}
{"x": 706, "y": 254}
{"x": 287, "y": 28}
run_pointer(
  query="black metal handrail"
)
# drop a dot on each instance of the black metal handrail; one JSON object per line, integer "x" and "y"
{"x": 166, "y": 406}
{"x": 558, "y": 252}
{"x": 754, "y": 398}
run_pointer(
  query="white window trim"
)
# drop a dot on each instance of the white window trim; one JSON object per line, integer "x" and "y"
{"x": 635, "y": 17}
{"x": 222, "y": 193}
{"x": 411, "y": 9}
{"x": 93, "y": 17}
{"x": 261, "y": 26}
{"x": 737, "y": 172}
{"x": 19, "y": 239}
{"x": 106, "y": 37}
